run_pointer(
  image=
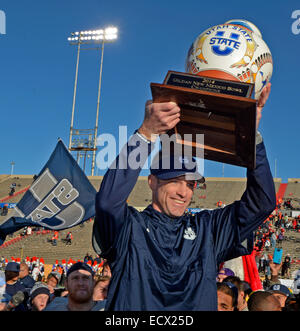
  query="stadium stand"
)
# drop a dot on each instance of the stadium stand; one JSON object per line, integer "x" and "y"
{"x": 21, "y": 184}
{"x": 290, "y": 245}
{"x": 20, "y": 181}
{"x": 293, "y": 192}
{"x": 140, "y": 196}
{"x": 38, "y": 244}
{"x": 226, "y": 189}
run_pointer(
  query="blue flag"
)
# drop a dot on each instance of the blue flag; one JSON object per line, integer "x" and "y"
{"x": 60, "y": 197}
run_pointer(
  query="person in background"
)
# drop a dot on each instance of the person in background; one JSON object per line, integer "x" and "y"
{"x": 286, "y": 267}
{"x": 69, "y": 238}
{"x": 4, "y": 297}
{"x": 238, "y": 283}
{"x": 273, "y": 239}
{"x": 54, "y": 238}
{"x": 101, "y": 288}
{"x": 263, "y": 301}
{"x": 227, "y": 296}
{"x": 39, "y": 297}
{"x": 12, "y": 271}
{"x": 247, "y": 289}
{"x": 80, "y": 286}
{"x": 24, "y": 277}
{"x": 106, "y": 271}
{"x": 281, "y": 292}
{"x": 52, "y": 280}
{"x": 223, "y": 273}
{"x": 296, "y": 283}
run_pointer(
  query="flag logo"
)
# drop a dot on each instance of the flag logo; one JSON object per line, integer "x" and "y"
{"x": 65, "y": 195}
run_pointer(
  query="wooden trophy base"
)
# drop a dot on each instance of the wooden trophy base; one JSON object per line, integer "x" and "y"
{"x": 228, "y": 122}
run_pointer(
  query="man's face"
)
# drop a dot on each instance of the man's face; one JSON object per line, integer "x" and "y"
{"x": 224, "y": 302}
{"x": 52, "y": 282}
{"x": 100, "y": 291}
{"x": 106, "y": 271}
{"x": 171, "y": 196}
{"x": 40, "y": 301}
{"x": 23, "y": 271}
{"x": 80, "y": 286}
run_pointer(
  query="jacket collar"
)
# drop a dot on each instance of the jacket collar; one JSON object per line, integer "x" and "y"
{"x": 161, "y": 217}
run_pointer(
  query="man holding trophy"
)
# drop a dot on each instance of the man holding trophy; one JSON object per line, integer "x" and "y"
{"x": 161, "y": 258}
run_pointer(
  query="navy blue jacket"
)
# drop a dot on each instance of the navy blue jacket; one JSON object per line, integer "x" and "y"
{"x": 161, "y": 263}
{"x": 28, "y": 282}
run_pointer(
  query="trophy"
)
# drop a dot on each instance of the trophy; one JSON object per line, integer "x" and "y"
{"x": 227, "y": 67}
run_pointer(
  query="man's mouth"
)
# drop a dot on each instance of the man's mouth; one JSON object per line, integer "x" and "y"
{"x": 179, "y": 201}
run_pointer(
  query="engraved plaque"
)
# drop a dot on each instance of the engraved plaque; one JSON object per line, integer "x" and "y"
{"x": 221, "y": 110}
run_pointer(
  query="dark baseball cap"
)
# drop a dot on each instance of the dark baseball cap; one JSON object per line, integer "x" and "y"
{"x": 80, "y": 266}
{"x": 168, "y": 166}
{"x": 55, "y": 274}
{"x": 279, "y": 288}
{"x": 12, "y": 266}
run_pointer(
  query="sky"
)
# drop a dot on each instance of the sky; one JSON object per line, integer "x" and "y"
{"x": 37, "y": 66}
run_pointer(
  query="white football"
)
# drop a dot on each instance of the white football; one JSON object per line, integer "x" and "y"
{"x": 235, "y": 51}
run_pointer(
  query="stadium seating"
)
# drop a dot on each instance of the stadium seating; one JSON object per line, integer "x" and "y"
{"x": 293, "y": 191}
{"x": 38, "y": 244}
{"x": 225, "y": 189}
{"x": 21, "y": 181}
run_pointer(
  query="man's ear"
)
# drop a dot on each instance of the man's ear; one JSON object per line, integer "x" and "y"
{"x": 152, "y": 182}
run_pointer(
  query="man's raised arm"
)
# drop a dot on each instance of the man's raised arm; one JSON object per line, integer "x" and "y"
{"x": 258, "y": 201}
{"x": 121, "y": 177}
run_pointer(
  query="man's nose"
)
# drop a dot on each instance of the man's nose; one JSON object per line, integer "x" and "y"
{"x": 181, "y": 189}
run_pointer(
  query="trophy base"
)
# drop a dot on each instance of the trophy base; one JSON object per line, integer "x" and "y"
{"x": 227, "y": 122}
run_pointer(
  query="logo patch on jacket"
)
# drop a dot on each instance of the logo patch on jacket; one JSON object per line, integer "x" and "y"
{"x": 189, "y": 234}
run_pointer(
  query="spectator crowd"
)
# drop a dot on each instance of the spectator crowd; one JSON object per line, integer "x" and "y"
{"x": 24, "y": 286}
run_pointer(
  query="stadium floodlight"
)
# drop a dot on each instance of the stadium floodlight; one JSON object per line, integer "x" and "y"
{"x": 91, "y": 36}
{"x": 99, "y": 36}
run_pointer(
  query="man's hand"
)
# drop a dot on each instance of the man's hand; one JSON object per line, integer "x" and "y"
{"x": 275, "y": 268}
{"x": 159, "y": 118}
{"x": 261, "y": 102}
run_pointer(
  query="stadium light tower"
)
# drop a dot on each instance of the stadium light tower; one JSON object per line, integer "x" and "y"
{"x": 89, "y": 37}
{"x": 12, "y": 163}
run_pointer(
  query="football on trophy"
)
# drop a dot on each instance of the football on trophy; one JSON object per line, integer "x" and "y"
{"x": 232, "y": 51}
